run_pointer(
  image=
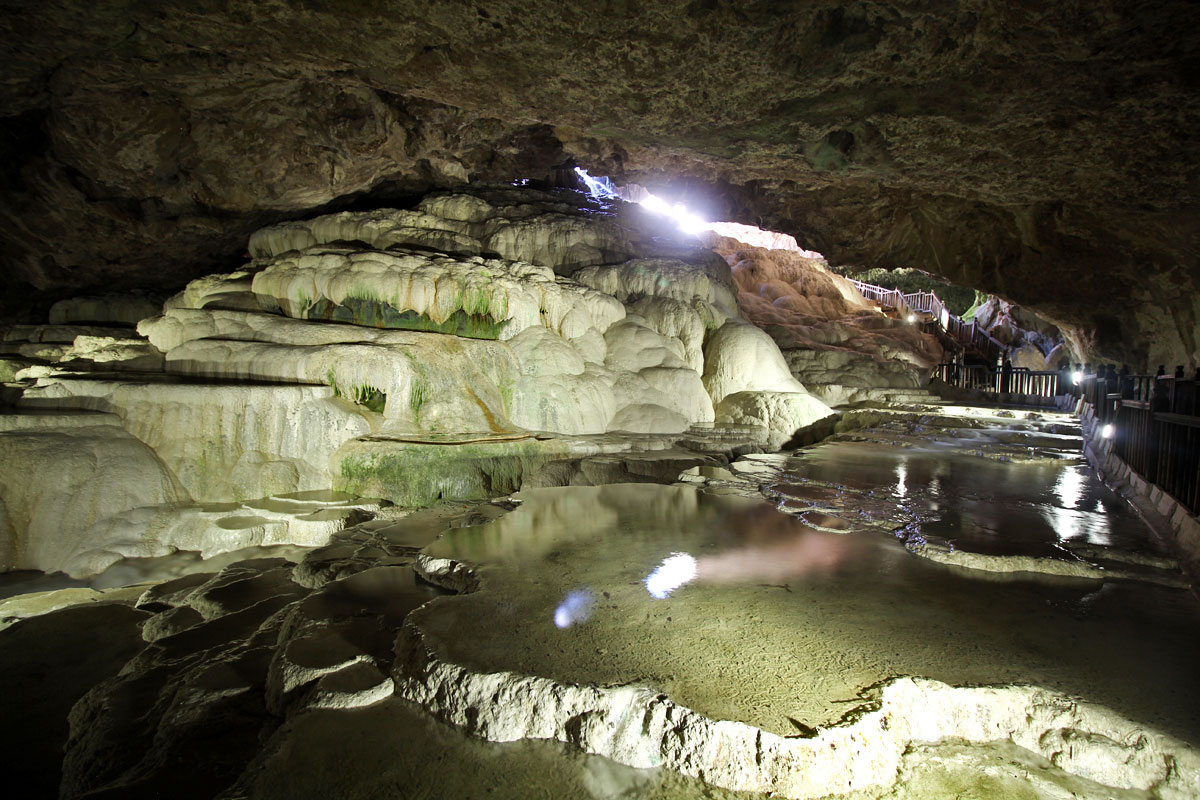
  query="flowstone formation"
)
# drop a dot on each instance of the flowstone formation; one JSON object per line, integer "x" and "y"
{"x": 798, "y": 658}
{"x": 461, "y": 349}
{"x": 835, "y": 341}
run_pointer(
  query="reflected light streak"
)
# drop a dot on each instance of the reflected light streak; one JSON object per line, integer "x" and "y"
{"x": 1069, "y": 488}
{"x": 576, "y": 607}
{"x": 901, "y": 489}
{"x": 792, "y": 556}
{"x": 1067, "y": 525}
{"x": 675, "y": 570}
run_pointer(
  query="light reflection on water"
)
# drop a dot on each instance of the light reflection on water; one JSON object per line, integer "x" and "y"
{"x": 780, "y": 555}
{"x": 796, "y": 619}
{"x": 901, "y": 479}
{"x": 974, "y": 503}
{"x": 674, "y": 571}
{"x": 575, "y": 608}
{"x": 1070, "y": 488}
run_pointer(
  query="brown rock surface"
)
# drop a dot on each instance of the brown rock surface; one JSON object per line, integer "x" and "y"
{"x": 1043, "y": 152}
{"x": 828, "y": 332}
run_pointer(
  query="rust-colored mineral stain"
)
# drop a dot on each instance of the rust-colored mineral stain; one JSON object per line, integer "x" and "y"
{"x": 487, "y": 412}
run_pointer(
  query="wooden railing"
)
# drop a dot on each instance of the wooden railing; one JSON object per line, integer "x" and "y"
{"x": 887, "y": 298}
{"x": 1014, "y": 381}
{"x": 1155, "y": 428}
{"x": 967, "y": 334}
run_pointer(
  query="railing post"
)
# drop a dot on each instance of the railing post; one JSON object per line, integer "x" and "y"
{"x": 1153, "y": 446}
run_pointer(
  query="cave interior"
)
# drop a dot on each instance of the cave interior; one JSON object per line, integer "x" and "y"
{"x": 446, "y": 399}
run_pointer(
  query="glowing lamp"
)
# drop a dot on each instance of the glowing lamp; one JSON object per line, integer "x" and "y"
{"x": 912, "y": 318}
{"x": 1076, "y": 376}
{"x": 1106, "y": 432}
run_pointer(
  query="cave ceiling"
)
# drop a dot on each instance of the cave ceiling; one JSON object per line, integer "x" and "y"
{"x": 1042, "y": 151}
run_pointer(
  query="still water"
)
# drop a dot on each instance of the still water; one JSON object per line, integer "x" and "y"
{"x": 742, "y": 612}
{"x": 1047, "y": 508}
{"x": 782, "y": 612}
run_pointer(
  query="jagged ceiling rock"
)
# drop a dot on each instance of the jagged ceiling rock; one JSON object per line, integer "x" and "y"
{"x": 1044, "y": 152}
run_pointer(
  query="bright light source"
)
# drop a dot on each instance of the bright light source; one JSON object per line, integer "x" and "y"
{"x": 912, "y": 318}
{"x": 673, "y": 572}
{"x": 656, "y": 204}
{"x": 599, "y": 188}
{"x": 690, "y": 223}
{"x": 1106, "y": 432}
{"x": 685, "y": 219}
{"x": 1076, "y": 376}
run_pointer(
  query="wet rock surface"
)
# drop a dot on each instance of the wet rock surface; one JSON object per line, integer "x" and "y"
{"x": 999, "y": 491}
{"x": 806, "y": 653}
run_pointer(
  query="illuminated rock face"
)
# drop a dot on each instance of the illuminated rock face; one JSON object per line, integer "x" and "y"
{"x": 1034, "y": 343}
{"x": 515, "y": 225}
{"x": 99, "y": 471}
{"x": 450, "y": 376}
{"x": 221, "y": 442}
{"x": 1042, "y": 156}
{"x": 592, "y": 346}
{"x": 834, "y": 340}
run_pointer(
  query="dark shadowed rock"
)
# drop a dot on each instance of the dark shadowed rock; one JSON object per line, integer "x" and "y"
{"x": 49, "y": 662}
{"x": 1040, "y": 152}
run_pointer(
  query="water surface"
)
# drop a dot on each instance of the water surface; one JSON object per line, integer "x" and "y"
{"x": 785, "y": 626}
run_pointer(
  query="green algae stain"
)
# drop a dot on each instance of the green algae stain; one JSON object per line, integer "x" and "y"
{"x": 419, "y": 475}
{"x": 417, "y": 396}
{"x": 473, "y": 321}
{"x": 303, "y": 301}
{"x": 364, "y": 394}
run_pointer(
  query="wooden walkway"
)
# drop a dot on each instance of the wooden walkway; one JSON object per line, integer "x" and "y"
{"x": 928, "y": 307}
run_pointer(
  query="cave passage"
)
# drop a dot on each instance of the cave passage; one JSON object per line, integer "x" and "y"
{"x": 548, "y": 474}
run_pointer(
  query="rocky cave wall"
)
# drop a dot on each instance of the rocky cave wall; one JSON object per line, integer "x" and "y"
{"x": 1044, "y": 153}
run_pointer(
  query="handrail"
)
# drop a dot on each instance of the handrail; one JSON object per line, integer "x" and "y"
{"x": 1154, "y": 422}
{"x": 1016, "y": 382}
{"x": 967, "y": 334}
{"x": 1160, "y": 393}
